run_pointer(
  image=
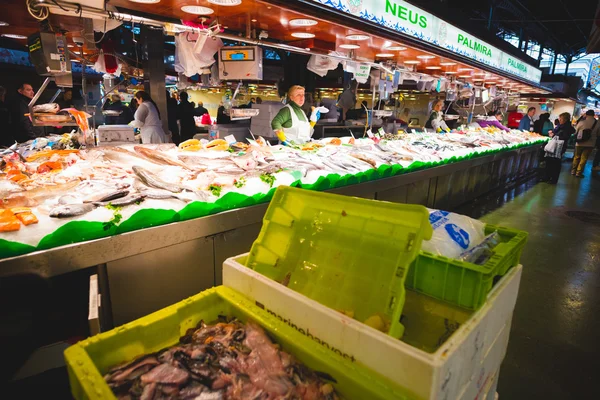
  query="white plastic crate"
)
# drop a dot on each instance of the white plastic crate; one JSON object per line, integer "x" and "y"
{"x": 454, "y": 371}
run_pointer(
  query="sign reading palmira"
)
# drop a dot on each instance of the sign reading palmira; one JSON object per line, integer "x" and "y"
{"x": 406, "y": 19}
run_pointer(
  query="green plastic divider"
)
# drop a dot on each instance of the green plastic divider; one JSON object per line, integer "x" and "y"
{"x": 13, "y": 249}
{"x": 75, "y": 232}
{"x": 81, "y": 231}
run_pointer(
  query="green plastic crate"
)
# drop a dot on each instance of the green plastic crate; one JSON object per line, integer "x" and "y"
{"x": 347, "y": 253}
{"x": 88, "y": 360}
{"x": 461, "y": 283}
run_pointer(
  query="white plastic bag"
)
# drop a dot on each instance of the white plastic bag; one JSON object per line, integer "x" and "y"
{"x": 554, "y": 147}
{"x": 205, "y": 49}
{"x": 453, "y": 234}
{"x": 192, "y": 56}
{"x": 100, "y": 65}
{"x": 321, "y": 65}
{"x": 550, "y": 146}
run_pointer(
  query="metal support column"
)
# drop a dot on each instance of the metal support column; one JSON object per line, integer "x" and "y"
{"x": 520, "y": 38}
{"x": 554, "y": 63}
{"x": 541, "y": 55}
{"x": 154, "y": 69}
{"x": 491, "y": 15}
{"x": 568, "y": 60}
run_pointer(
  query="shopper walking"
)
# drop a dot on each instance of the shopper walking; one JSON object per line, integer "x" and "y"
{"x": 185, "y": 115}
{"x": 526, "y": 123}
{"x": 587, "y": 132}
{"x": 147, "y": 118}
{"x": 560, "y": 136}
{"x": 22, "y": 127}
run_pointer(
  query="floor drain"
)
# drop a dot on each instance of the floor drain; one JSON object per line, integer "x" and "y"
{"x": 585, "y": 216}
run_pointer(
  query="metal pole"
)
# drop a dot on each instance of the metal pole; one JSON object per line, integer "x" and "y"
{"x": 554, "y": 63}
{"x": 491, "y": 15}
{"x": 520, "y": 38}
{"x": 36, "y": 97}
{"x": 567, "y": 62}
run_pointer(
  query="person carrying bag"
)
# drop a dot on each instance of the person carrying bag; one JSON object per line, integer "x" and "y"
{"x": 556, "y": 147}
{"x": 587, "y": 131}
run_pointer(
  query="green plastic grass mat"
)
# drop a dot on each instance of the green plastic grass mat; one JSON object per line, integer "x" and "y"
{"x": 81, "y": 231}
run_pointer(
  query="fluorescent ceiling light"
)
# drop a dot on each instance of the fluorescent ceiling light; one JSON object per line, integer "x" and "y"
{"x": 465, "y": 69}
{"x": 349, "y": 46}
{"x": 464, "y": 76}
{"x": 425, "y": 57}
{"x": 433, "y": 67}
{"x": 2, "y": 23}
{"x": 447, "y": 64}
{"x": 13, "y": 36}
{"x": 412, "y": 62}
{"x": 396, "y": 48}
{"x": 197, "y": 10}
{"x": 226, "y": 2}
{"x": 358, "y": 37}
{"x": 302, "y": 22}
{"x": 303, "y": 35}
{"x": 480, "y": 73}
{"x": 145, "y": 1}
{"x": 451, "y": 72}
{"x": 384, "y": 55}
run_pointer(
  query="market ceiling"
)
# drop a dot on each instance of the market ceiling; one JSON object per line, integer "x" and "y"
{"x": 557, "y": 24}
{"x": 280, "y": 23}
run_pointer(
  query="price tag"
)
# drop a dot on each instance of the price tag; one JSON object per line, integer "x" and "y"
{"x": 230, "y": 139}
{"x": 370, "y": 134}
{"x": 381, "y": 132}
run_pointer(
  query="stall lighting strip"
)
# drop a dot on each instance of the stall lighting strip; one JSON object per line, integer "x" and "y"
{"x": 91, "y": 12}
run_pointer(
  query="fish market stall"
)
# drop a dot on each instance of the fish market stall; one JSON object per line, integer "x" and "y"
{"x": 174, "y": 214}
{"x": 159, "y": 220}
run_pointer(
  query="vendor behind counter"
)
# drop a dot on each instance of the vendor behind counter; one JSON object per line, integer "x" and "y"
{"x": 436, "y": 118}
{"x": 291, "y": 123}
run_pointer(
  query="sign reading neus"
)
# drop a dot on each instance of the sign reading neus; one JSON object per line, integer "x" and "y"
{"x": 405, "y": 18}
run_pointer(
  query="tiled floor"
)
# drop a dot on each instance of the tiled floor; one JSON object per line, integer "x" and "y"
{"x": 554, "y": 348}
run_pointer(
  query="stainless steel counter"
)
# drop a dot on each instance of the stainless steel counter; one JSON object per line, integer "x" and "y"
{"x": 145, "y": 270}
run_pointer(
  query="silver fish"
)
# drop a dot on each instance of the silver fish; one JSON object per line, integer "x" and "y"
{"x": 106, "y": 196}
{"x": 160, "y": 194}
{"x": 69, "y": 199}
{"x": 124, "y": 201}
{"x": 70, "y": 210}
{"x": 153, "y": 181}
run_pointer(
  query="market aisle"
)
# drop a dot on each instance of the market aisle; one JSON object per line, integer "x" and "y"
{"x": 554, "y": 351}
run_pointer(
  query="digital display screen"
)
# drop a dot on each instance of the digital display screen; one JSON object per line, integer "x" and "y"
{"x": 237, "y": 54}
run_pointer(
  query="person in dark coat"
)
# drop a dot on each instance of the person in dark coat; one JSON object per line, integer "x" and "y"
{"x": 21, "y": 125}
{"x": 125, "y": 116}
{"x": 200, "y": 110}
{"x": 66, "y": 100}
{"x": 6, "y": 135}
{"x": 553, "y": 164}
{"x": 222, "y": 118}
{"x": 185, "y": 115}
{"x": 172, "y": 118}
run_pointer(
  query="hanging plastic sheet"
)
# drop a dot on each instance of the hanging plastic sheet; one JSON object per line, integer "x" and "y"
{"x": 321, "y": 65}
